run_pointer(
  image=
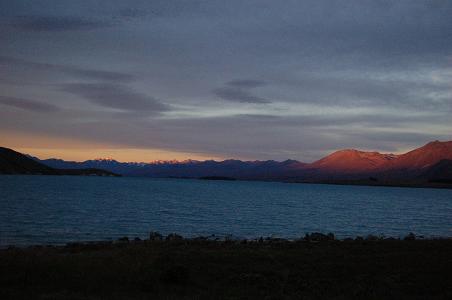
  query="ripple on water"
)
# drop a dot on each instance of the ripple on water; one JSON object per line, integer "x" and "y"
{"x": 49, "y": 209}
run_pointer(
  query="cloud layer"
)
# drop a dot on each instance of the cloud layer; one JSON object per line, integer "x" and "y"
{"x": 26, "y": 104}
{"x": 115, "y": 96}
{"x": 245, "y": 79}
{"x": 52, "y": 23}
{"x": 239, "y": 91}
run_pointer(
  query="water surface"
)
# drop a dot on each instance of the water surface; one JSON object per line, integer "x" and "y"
{"x": 59, "y": 209}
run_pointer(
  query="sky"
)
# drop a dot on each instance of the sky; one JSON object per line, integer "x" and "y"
{"x": 248, "y": 79}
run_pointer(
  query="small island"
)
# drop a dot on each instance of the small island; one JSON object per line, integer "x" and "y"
{"x": 217, "y": 178}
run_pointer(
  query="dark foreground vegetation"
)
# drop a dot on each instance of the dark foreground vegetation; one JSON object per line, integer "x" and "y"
{"x": 317, "y": 267}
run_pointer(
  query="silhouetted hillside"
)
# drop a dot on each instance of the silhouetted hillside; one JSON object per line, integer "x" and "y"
{"x": 440, "y": 172}
{"x": 12, "y": 162}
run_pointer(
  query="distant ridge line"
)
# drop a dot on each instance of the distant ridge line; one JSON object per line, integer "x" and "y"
{"x": 426, "y": 164}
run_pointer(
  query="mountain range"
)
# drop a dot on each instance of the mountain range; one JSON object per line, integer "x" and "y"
{"x": 430, "y": 164}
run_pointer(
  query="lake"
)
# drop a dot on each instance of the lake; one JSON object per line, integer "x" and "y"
{"x": 60, "y": 209}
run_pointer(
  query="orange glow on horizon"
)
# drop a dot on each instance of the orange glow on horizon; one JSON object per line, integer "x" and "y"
{"x": 45, "y": 147}
{"x": 122, "y": 155}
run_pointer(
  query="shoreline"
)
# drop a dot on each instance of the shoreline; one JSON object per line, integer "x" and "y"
{"x": 416, "y": 185}
{"x": 156, "y": 237}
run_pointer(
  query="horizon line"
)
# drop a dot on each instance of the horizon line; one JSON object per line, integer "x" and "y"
{"x": 175, "y": 161}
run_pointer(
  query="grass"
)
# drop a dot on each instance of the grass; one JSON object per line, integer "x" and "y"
{"x": 192, "y": 269}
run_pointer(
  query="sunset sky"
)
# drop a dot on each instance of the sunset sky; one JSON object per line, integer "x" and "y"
{"x": 146, "y": 80}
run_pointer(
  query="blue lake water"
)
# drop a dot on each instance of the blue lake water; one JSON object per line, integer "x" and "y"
{"x": 60, "y": 209}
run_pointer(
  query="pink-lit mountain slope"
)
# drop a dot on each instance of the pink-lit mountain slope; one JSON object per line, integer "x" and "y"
{"x": 352, "y": 161}
{"x": 423, "y": 157}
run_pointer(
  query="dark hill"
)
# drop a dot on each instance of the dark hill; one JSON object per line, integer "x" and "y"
{"x": 441, "y": 172}
{"x": 12, "y": 162}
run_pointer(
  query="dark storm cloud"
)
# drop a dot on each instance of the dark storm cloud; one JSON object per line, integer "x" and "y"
{"x": 26, "y": 104}
{"x": 56, "y": 23}
{"x": 15, "y": 64}
{"x": 116, "y": 96}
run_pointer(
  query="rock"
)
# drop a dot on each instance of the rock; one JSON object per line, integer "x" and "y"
{"x": 155, "y": 236}
{"x": 228, "y": 238}
{"x": 174, "y": 237}
{"x": 372, "y": 237}
{"x": 410, "y": 237}
{"x": 317, "y": 237}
